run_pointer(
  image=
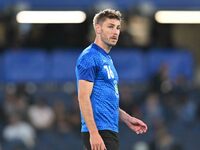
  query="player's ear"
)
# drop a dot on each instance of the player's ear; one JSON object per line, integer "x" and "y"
{"x": 98, "y": 28}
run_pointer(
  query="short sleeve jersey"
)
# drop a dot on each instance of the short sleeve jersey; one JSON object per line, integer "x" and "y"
{"x": 95, "y": 65}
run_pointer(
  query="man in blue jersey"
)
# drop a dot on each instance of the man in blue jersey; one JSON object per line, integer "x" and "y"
{"x": 97, "y": 82}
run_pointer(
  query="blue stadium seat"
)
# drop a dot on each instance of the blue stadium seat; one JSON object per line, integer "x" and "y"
{"x": 179, "y": 63}
{"x": 63, "y": 65}
{"x": 130, "y": 65}
{"x": 26, "y": 65}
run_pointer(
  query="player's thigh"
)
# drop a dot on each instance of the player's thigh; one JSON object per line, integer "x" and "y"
{"x": 111, "y": 139}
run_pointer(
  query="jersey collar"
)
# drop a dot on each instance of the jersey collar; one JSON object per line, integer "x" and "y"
{"x": 95, "y": 46}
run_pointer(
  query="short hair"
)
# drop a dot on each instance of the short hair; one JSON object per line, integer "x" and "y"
{"x": 107, "y": 13}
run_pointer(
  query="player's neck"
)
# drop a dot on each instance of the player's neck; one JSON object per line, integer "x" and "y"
{"x": 104, "y": 46}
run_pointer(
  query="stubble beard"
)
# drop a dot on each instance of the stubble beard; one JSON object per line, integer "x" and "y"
{"x": 109, "y": 43}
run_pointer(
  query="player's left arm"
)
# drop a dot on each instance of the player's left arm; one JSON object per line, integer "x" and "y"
{"x": 133, "y": 123}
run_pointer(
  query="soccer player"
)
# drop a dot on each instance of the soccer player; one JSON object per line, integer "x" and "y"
{"x": 97, "y": 82}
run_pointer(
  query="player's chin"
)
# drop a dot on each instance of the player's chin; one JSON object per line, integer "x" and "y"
{"x": 113, "y": 43}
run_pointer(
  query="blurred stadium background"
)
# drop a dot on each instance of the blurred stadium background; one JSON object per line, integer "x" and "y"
{"x": 158, "y": 65}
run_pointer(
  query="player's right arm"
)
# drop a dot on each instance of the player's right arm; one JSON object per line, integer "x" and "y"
{"x": 84, "y": 92}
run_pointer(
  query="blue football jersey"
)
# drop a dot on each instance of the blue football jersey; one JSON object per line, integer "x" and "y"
{"x": 95, "y": 65}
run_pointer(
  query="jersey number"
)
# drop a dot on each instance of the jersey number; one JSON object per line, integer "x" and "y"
{"x": 109, "y": 72}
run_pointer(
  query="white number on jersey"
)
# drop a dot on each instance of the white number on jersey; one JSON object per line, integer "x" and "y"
{"x": 109, "y": 72}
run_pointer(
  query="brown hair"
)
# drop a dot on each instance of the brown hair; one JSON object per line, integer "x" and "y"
{"x": 107, "y": 13}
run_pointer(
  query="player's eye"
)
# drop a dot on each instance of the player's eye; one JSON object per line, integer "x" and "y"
{"x": 111, "y": 27}
{"x": 118, "y": 28}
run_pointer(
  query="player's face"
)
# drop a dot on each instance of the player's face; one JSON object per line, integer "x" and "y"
{"x": 110, "y": 30}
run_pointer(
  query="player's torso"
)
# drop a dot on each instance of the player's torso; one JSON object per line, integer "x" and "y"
{"x": 105, "y": 95}
{"x": 107, "y": 76}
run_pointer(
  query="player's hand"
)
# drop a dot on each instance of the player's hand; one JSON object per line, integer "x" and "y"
{"x": 136, "y": 125}
{"x": 97, "y": 142}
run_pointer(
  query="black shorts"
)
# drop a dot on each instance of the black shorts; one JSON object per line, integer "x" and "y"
{"x": 110, "y": 138}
